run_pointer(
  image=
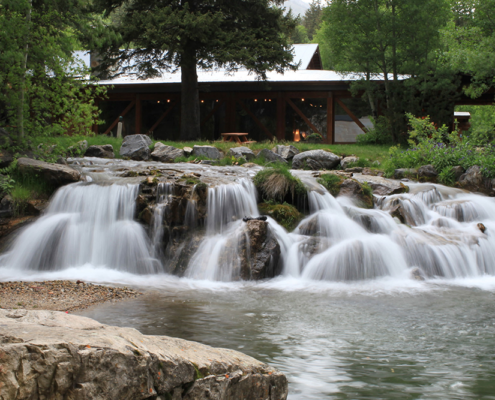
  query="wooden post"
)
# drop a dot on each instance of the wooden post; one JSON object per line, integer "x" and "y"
{"x": 280, "y": 116}
{"x": 330, "y": 119}
{"x": 138, "y": 115}
{"x": 353, "y": 117}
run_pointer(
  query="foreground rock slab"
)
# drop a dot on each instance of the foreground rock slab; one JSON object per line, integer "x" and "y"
{"x": 54, "y": 174}
{"x": 53, "y": 355}
{"x": 382, "y": 186}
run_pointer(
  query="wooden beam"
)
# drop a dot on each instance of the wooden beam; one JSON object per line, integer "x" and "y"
{"x": 354, "y": 118}
{"x": 212, "y": 112}
{"x": 162, "y": 117}
{"x": 139, "y": 115}
{"x": 114, "y": 123}
{"x": 281, "y": 106}
{"x": 330, "y": 119}
{"x": 256, "y": 120}
{"x": 297, "y": 110}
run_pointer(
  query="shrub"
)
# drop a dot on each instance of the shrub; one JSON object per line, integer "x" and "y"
{"x": 380, "y": 134}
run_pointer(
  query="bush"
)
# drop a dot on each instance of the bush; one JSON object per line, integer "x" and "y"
{"x": 444, "y": 150}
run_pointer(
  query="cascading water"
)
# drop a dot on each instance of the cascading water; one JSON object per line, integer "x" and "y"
{"x": 86, "y": 225}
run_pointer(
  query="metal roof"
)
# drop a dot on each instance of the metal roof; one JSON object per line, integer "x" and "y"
{"x": 304, "y": 53}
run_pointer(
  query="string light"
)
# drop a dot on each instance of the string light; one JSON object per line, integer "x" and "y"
{"x": 302, "y": 99}
{"x": 255, "y": 99}
{"x": 168, "y": 101}
{"x": 158, "y": 101}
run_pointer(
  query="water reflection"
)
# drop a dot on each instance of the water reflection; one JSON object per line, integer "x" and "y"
{"x": 432, "y": 342}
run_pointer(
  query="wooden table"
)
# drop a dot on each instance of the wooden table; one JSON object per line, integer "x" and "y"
{"x": 240, "y": 138}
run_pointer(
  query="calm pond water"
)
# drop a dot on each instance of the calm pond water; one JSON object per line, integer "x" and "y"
{"x": 385, "y": 339}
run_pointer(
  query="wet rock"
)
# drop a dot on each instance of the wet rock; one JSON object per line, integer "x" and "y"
{"x": 417, "y": 274}
{"x": 54, "y": 355}
{"x": 207, "y": 162}
{"x": 166, "y": 154}
{"x": 472, "y": 179}
{"x": 207, "y": 151}
{"x": 241, "y": 152}
{"x": 372, "y": 172}
{"x": 382, "y": 186}
{"x": 353, "y": 189}
{"x": 354, "y": 170}
{"x": 104, "y": 151}
{"x": 286, "y": 152}
{"x": 481, "y": 227}
{"x": 136, "y": 147}
{"x": 344, "y": 163}
{"x": 188, "y": 151}
{"x": 261, "y": 259}
{"x": 310, "y": 226}
{"x": 457, "y": 171}
{"x": 315, "y": 160}
{"x": 146, "y": 216}
{"x": 270, "y": 156}
{"x": 35, "y": 207}
{"x": 6, "y": 207}
{"x": 398, "y": 212}
{"x": 405, "y": 173}
{"x": 249, "y": 165}
{"x": 54, "y": 174}
{"x": 427, "y": 172}
{"x": 61, "y": 160}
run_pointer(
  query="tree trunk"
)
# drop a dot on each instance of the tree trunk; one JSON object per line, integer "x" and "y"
{"x": 190, "y": 112}
{"x": 20, "y": 106}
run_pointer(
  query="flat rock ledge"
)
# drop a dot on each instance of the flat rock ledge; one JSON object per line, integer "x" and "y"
{"x": 54, "y": 355}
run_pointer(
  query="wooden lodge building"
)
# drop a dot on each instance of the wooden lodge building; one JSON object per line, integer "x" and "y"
{"x": 286, "y": 106}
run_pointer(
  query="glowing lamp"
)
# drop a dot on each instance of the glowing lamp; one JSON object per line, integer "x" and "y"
{"x": 297, "y": 136}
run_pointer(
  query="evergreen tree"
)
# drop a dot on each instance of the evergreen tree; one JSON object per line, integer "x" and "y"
{"x": 312, "y": 18}
{"x": 170, "y": 34}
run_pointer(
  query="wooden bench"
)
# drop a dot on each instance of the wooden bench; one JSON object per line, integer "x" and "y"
{"x": 240, "y": 138}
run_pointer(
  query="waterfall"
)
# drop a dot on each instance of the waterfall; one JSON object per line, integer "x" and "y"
{"x": 219, "y": 256}
{"x": 86, "y": 225}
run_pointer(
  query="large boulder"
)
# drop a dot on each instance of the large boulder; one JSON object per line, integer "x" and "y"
{"x": 472, "y": 179}
{"x": 166, "y": 154}
{"x": 136, "y": 147}
{"x": 382, "y": 186}
{"x": 54, "y": 355}
{"x": 286, "y": 152}
{"x": 315, "y": 160}
{"x": 104, "y": 151}
{"x": 262, "y": 252}
{"x": 270, "y": 156}
{"x": 241, "y": 152}
{"x": 207, "y": 151}
{"x": 353, "y": 189}
{"x": 427, "y": 172}
{"x": 54, "y": 174}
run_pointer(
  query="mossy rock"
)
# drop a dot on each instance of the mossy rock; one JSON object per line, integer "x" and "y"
{"x": 285, "y": 214}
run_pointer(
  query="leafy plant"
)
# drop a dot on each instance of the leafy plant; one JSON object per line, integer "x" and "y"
{"x": 381, "y": 133}
{"x": 331, "y": 182}
{"x": 285, "y": 214}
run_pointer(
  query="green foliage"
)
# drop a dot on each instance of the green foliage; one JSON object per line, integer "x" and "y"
{"x": 362, "y": 162}
{"x": 443, "y": 150}
{"x": 277, "y": 183}
{"x": 42, "y": 92}
{"x": 380, "y": 134}
{"x": 300, "y": 35}
{"x": 312, "y": 18}
{"x": 482, "y": 130}
{"x": 285, "y": 214}
{"x": 367, "y": 190}
{"x": 447, "y": 176}
{"x": 331, "y": 182}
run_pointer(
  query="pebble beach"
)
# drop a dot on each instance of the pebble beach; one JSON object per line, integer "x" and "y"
{"x": 59, "y": 295}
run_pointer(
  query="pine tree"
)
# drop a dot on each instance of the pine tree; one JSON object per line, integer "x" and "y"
{"x": 170, "y": 34}
{"x": 312, "y": 18}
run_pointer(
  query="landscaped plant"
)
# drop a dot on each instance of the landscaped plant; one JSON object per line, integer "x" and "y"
{"x": 444, "y": 150}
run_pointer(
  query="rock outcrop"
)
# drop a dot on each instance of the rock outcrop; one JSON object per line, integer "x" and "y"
{"x": 54, "y": 174}
{"x": 344, "y": 163}
{"x": 427, "y": 172}
{"x": 261, "y": 254}
{"x": 166, "y": 154}
{"x": 54, "y": 355}
{"x": 207, "y": 151}
{"x": 241, "y": 152}
{"x": 472, "y": 179}
{"x": 136, "y": 147}
{"x": 104, "y": 151}
{"x": 315, "y": 160}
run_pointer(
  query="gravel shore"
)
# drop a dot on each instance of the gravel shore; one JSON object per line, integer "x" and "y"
{"x": 59, "y": 295}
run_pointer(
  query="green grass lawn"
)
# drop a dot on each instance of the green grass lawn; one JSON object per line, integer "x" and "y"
{"x": 369, "y": 152}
